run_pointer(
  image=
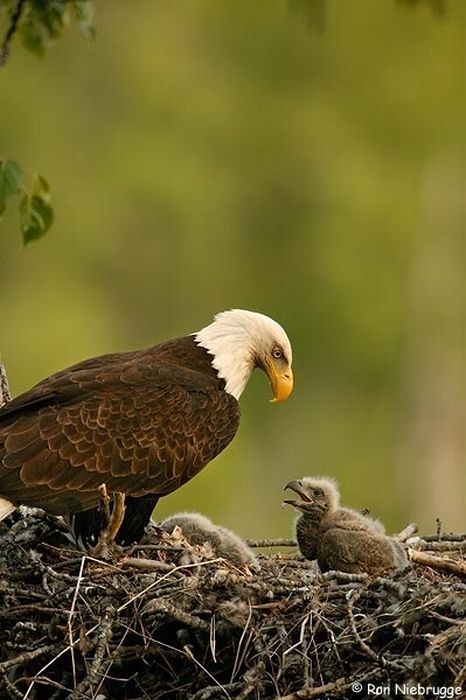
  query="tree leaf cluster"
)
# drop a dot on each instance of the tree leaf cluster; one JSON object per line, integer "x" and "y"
{"x": 40, "y": 23}
{"x": 35, "y": 210}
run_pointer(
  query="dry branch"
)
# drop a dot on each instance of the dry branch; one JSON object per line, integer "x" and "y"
{"x": 439, "y": 563}
{"x": 15, "y": 17}
{"x": 407, "y": 532}
{"x": 5, "y": 395}
{"x": 277, "y": 542}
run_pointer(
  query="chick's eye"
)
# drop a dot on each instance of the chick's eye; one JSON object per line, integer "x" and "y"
{"x": 277, "y": 353}
{"x": 317, "y": 492}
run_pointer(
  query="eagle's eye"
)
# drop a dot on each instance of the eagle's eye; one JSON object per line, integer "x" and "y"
{"x": 277, "y": 353}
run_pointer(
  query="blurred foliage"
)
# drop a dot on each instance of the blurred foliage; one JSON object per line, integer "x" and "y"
{"x": 206, "y": 156}
{"x": 439, "y": 7}
{"x": 44, "y": 21}
{"x": 35, "y": 211}
{"x": 313, "y": 11}
{"x": 40, "y": 23}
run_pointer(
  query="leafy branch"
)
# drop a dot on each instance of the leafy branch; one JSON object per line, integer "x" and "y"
{"x": 40, "y": 23}
{"x": 35, "y": 210}
{"x": 15, "y": 17}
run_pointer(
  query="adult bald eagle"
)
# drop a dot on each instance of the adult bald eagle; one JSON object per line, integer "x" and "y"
{"x": 142, "y": 422}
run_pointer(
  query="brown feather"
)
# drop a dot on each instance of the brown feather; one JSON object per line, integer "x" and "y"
{"x": 140, "y": 422}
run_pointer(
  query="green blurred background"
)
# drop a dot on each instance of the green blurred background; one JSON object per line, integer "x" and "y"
{"x": 208, "y": 155}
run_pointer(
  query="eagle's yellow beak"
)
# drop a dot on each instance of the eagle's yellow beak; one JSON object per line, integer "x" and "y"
{"x": 281, "y": 382}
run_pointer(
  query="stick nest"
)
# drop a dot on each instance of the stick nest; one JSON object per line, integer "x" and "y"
{"x": 165, "y": 620}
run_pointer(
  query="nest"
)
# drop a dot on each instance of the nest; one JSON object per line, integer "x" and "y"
{"x": 165, "y": 620}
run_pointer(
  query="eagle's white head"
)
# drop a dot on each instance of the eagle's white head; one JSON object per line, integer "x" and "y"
{"x": 240, "y": 341}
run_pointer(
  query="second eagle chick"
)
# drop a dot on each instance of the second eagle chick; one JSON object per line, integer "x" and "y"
{"x": 199, "y": 530}
{"x": 341, "y": 538}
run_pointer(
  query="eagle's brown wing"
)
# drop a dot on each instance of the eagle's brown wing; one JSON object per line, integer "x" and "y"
{"x": 139, "y": 428}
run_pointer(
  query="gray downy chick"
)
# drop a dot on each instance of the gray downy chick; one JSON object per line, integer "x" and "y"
{"x": 199, "y": 530}
{"x": 341, "y": 538}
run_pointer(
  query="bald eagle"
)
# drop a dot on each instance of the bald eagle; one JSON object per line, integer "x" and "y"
{"x": 142, "y": 422}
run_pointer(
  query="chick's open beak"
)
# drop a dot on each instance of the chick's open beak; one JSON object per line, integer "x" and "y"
{"x": 304, "y": 498}
{"x": 294, "y": 485}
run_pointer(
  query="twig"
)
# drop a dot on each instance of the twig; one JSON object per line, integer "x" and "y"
{"x": 240, "y": 644}
{"x": 300, "y": 641}
{"x": 163, "y": 578}
{"x": 439, "y": 563}
{"x": 451, "y": 537}
{"x": 288, "y": 560}
{"x": 147, "y": 564}
{"x": 406, "y": 533}
{"x": 442, "y": 546}
{"x": 70, "y": 617}
{"x": 213, "y": 638}
{"x": 39, "y": 678}
{"x": 306, "y": 693}
{"x": 279, "y": 542}
{"x": 211, "y": 691}
{"x": 460, "y": 678}
{"x": 93, "y": 677}
{"x": 343, "y": 576}
{"x": 336, "y": 687}
{"x": 351, "y": 597}
{"x": 30, "y": 607}
{"x": 5, "y": 394}
{"x": 25, "y": 657}
{"x": 44, "y": 680}
{"x": 166, "y": 608}
{"x": 191, "y": 656}
{"x": 22, "y": 658}
{"x": 448, "y": 620}
{"x": 12, "y": 691}
{"x": 15, "y": 17}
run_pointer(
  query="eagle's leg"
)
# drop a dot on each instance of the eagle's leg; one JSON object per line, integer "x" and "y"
{"x": 118, "y": 513}
{"x": 106, "y": 544}
{"x": 105, "y": 503}
{"x": 137, "y": 516}
{"x": 87, "y": 525}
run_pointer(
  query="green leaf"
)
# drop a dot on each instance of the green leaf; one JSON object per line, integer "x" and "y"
{"x": 36, "y": 217}
{"x": 40, "y": 187}
{"x": 42, "y": 23}
{"x": 35, "y": 211}
{"x": 33, "y": 36}
{"x": 83, "y": 13}
{"x": 11, "y": 177}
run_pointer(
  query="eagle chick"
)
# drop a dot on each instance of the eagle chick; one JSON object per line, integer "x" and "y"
{"x": 341, "y": 538}
{"x": 199, "y": 530}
